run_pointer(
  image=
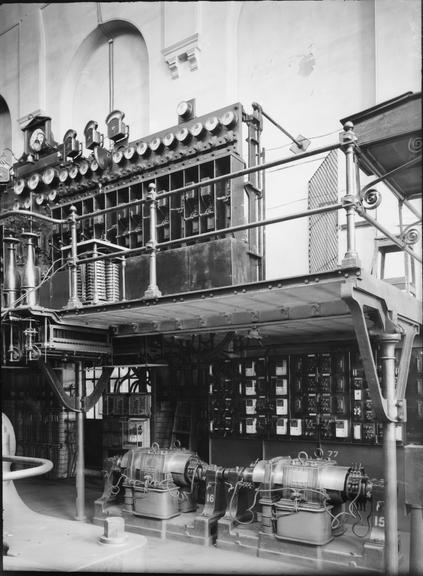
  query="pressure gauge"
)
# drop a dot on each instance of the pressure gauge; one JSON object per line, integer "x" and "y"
{"x": 73, "y": 171}
{"x": 26, "y": 204}
{"x": 212, "y": 124}
{"x": 142, "y": 148}
{"x": 169, "y": 140}
{"x": 83, "y": 167}
{"x": 94, "y": 165}
{"x": 33, "y": 181}
{"x": 52, "y": 195}
{"x": 48, "y": 176}
{"x": 228, "y": 119}
{"x": 40, "y": 199}
{"x": 63, "y": 175}
{"x": 19, "y": 186}
{"x": 156, "y": 144}
{"x": 197, "y": 129}
{"x": 117, "y": 156}
{"x": 184, "y": 110}
{"x": 37, "y": 140}
{"x": 183, "y": 135}
{"x": 129, "y": 152}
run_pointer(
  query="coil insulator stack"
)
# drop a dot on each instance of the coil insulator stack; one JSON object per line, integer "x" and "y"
{"x": 112, "y": 281}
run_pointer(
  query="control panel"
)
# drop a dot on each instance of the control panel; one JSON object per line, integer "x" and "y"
{"x": 316, "y": 396}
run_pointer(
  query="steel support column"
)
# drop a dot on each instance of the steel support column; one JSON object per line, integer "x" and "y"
{"x": 388, "y": 342}
{"x": 416, "y": 540}
{"x": 80, "y": 459}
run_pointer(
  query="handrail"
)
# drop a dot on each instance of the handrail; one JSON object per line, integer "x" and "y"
{"x": 216, "y": 180}
{"x": 43, "y": 467}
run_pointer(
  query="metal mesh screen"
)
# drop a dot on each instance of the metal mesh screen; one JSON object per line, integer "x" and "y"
{"x": 323, "y": 228}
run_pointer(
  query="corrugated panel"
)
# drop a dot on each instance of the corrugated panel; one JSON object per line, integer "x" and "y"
{"x": 323, "y": 228}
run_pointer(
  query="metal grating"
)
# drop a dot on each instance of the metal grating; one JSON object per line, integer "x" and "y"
{"x": 323, "y": 228}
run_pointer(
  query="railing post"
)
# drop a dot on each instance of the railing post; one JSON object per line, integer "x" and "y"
{"x": 348, "y": 139}
{"x": 74, "y": 301}
{"x": 152, "y": 290}
{"x": 388, "y": 342}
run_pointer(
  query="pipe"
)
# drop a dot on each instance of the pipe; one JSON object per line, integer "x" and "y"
{"x": 210, "y": 181}
{"x": 416, "y": 539}
{"x": 43, "y": 467}
{"x": 80, "y": 459}
{"x": 73, "y": 285}
{"x": 35, "y": 215}
{"x": 111, "y": 76}
{"x": 388, "y": 342}
{"x": 386, "y": 232}
{"x": 152, "y": 290}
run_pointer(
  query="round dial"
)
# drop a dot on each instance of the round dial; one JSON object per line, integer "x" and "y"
{"x": 37, "y": 140}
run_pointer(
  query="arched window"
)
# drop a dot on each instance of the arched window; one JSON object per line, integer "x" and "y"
{"x": 5, "y": 126}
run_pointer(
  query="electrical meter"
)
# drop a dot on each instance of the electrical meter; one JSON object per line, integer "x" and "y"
{"x": 282, "y": 426}
{"x": 295, "y": 427}
{"x": 341, "y": 428}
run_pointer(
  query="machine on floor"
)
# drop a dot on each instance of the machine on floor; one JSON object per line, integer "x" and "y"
{"x": 307, "y": 507}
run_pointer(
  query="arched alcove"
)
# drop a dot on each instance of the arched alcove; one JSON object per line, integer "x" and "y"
{"x": 5, "y": 125}
{"x": 86, "y": 89}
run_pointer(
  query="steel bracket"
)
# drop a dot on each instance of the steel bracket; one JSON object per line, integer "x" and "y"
{"x": 388, "y": 322}
{"x": 52, "y": 378}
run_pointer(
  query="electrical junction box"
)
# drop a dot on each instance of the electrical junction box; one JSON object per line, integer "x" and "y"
{"x": 282, "y": 406}
{"x": 281, "y": 387}
{"x": 282, "y": 426}
{"x": 341, "y": 428}
{"x": 251, "y": 426}
{"x": 296, "y": 428}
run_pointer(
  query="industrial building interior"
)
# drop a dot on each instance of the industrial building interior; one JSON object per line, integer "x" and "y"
{"x": 171, "y": 400}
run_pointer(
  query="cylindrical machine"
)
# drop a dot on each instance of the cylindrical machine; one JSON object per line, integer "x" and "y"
{"x": 12, "y": 280}
{"x": 30, "y": 277}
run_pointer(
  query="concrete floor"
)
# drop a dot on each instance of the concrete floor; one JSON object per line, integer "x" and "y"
{"x": 56, "y": 498}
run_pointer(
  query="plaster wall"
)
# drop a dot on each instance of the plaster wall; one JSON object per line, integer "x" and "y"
{"x": 307, "y": 63}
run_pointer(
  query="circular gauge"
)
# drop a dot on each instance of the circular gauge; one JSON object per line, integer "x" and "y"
{"x": 117, "y": 156}
{"x": 18, "y": 186}
{"x": 142, "y": 148}
{"x": 33, "y": 181}
{"x": 27, "y": 204}
{"x": 156, "y": 144}
{"x": 94, "y": 165}
{"x": 228, "y": 119}
{"x": 183, "y": 135}
{"x": 73, "y": 171}
{"x": 63, "y": 174}
{"x": 83, "y": 167}
{"x": 52, "y": 195}
{"x": 184, "y": 109}
{"x": 129, "y": 152}
{"x": 16, "y": 206}
{"x": 37, "y": 140}
{"x": 40, "y": 199}
{"x": 197, "y": 129}
{"x": 212, "y": 124}
{"x": 48, "y": 175}
{"x": 169, "y": 140}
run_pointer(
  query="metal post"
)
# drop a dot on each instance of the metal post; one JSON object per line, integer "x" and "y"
{"x": 348, "y": 138}
{"x": 73, "y": 301}
{"x": 152, "y": 290}
{"x": 390, "y": 454}
{"x": 80, "y": 461}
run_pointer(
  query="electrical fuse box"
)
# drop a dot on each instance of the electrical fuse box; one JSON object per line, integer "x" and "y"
{"x": 369, "y": 431}
{"x": 311, "y": 383}
{"x": 311, "y": 402}
{"x": 341, "y": 428}
{"x": 280, "y": 386}
{"x": 326, "y": 429}
{"x": 296, "y": 427}
{"x": 282, "y": 426}
{"x": 325, "y": 384}
{"x": 281, "y": 406}
{"x": 325, "y": 404}
{"x": 310, "y": 428}
{"x": 250, "y": 406}
{"x": 325, "y": 363}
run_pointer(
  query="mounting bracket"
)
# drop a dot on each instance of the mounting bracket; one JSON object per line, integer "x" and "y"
{"x": 389, "y": 323}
